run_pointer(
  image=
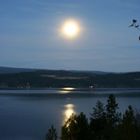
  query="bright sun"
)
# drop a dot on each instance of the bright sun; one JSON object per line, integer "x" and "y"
{"x": 70, "y": 29}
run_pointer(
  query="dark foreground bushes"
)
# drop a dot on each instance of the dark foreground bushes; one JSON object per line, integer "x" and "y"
{"x": 105, "y": 123}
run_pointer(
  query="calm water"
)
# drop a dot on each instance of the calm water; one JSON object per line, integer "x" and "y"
{"x": 29, "y": 117}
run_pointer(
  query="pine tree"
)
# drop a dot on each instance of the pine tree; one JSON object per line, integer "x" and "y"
{"x": 52, "y": 134}
{"x": 129, "y": 125}
{"x": 113, "y": 117}
{"x": 76, "y": 128}
{"x": 111, "y": 111}
{"x": 98, "y": 121}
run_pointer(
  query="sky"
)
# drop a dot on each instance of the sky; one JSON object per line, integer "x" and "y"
{"x": 30, "y": 36}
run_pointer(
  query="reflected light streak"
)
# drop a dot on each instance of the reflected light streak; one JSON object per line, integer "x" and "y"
{"x": 68, "y": 88}
{"x": 68, "y": 111}
{"x": 64, "y": 92}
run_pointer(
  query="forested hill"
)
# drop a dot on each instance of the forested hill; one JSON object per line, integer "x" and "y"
{"x": 61, "y": 78}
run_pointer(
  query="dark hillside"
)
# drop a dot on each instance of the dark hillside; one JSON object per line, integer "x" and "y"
{"x": 62, "y": 78}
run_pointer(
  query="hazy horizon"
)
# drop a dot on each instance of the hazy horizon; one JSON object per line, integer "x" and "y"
{"x": 34, "y": 68}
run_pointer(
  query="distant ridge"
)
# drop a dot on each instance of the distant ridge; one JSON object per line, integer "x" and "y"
{"x": 44, "y": 78}
{"x": 8, "y": 70}
{"x": 92, "y": 72}
{"x": 12, "y": 70}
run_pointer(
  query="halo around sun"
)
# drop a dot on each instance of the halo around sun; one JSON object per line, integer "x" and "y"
{"x": 70, "y": 29}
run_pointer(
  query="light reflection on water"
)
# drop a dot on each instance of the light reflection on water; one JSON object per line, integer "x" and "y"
{"x": 33, "y": 116}
{"x": 66, "y": 90}
{"x": 69, "y": 109}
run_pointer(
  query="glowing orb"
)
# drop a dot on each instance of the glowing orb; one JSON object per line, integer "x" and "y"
{"x": 70, "y": 29}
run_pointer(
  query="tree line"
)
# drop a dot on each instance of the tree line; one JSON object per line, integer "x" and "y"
{"x": 58, "y": 79}
{"x": 105, "y": 123}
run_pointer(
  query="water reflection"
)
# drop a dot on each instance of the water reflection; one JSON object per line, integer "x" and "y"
{"x": 69, "y": 109}
{"x": 66, "y": 90}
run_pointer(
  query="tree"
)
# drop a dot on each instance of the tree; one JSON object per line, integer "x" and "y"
{"x": 106, "y": 123}
{"x": 76, "y": 128}
{"x": 98, "y": 111}
{"x": 98, "y": 121}
{"x": 51, "y": 134}
{"x": 111, "y": 111}
{"x": 68, "y": 130}
{"x": 113, "y": 117}
{"x": 129, "y": 128}
{"x": 135, "y": 25}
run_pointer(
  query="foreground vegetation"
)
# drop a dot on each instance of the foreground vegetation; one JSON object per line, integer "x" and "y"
{"x": 105, "y": 123}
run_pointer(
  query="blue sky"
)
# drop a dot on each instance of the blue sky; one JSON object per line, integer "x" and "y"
{"x": 29, "y": 35}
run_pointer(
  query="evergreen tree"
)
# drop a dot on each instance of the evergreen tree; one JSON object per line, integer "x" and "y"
{"x": 68, "y": 130}
{"x": 76, "y": 128}
{"x": 105, "y": 124}
{"x": 111, "y": 111}
{"x": 129, "y": 128}
{"x": 51, "y": 134}
{"x": 112, "y": 116}
{"x": 98, "y": 121}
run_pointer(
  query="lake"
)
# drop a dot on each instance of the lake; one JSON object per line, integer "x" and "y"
{"x": 27, "y": 114}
